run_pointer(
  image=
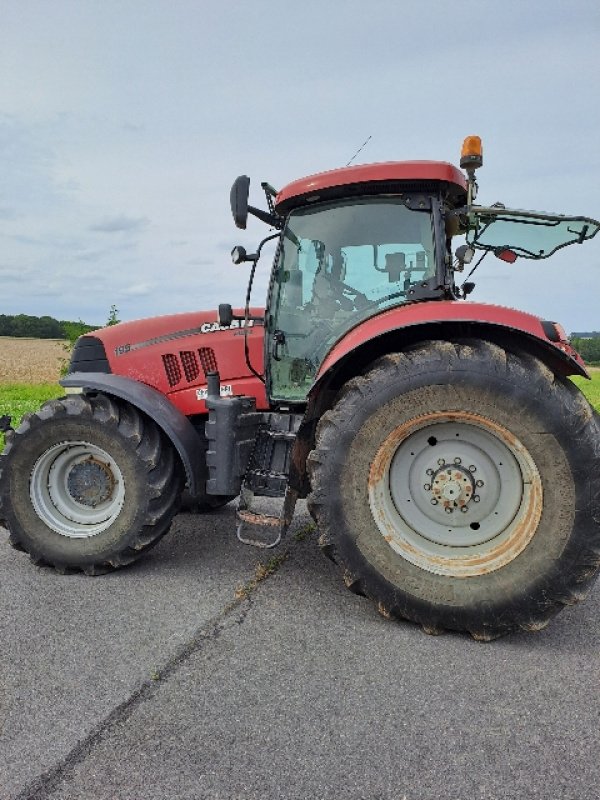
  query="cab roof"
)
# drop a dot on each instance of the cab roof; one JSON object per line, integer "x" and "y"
{"x": 383, "y": 178}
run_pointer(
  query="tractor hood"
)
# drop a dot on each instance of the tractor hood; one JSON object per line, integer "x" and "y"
{"x": 174, "y": 353}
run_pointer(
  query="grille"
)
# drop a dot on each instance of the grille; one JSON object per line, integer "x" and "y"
{"x": 208, "y": 359}
{"x": 186, "y": 364}
{"x": 172, "y": 368}
{"x": 190, "y": 364}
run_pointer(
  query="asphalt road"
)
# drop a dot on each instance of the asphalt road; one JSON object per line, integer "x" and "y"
{"x": 160, "y": 681}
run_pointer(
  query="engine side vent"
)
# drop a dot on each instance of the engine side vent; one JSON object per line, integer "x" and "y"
{"x": 172, "y": 368}
{"x": 186, "y": 364}
{"x": 208, "y": 359}
{"x": 190, "y": 364}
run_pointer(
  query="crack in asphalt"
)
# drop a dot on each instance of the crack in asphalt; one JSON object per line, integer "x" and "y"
{"x": 42, "y": 787}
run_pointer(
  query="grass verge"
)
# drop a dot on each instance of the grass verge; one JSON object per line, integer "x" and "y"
{"x": 17, "y": 399}
{"x": 591, "y": 389}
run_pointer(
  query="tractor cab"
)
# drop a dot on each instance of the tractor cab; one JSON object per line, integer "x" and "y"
{"x": 354, "y": 242}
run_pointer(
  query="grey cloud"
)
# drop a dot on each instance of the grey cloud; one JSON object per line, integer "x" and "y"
{"x": 201, "y": 262}
{"x": 13, "y": 275}
{"x": 137, "y": 290}
{"x": 120, "y": 223}
{"x": 91, "y": 255}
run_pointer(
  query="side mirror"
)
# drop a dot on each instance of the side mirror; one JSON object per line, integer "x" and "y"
{"x": 467, "y": 288}
{"x": 226, "y": 316}
{"x": 239, "y": 200}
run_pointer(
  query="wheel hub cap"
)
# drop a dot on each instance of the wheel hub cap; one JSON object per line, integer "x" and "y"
{"x": 453, "y": 487}
{"x": 90, "y": 483}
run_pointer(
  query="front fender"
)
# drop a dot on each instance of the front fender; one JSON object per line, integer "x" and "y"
{"x": 175, "y": 425}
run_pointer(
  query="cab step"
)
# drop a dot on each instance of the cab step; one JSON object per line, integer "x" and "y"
{"x": 267, "y": 476}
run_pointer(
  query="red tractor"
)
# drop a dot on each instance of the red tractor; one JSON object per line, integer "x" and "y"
{"x": 450, "y": 464}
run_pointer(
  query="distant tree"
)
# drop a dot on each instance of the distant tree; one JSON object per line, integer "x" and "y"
{"x": 5, "y": 325}
{"x": 113, "y": 316}
{"x": 49, "y": 328}
{"x": 589, "y": 348}
{"x": 73, "y": 330}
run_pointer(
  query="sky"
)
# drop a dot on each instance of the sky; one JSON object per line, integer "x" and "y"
{"x": 123, "y": 125}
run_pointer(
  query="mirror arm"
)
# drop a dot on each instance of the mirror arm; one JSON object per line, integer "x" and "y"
{"x": 271, "y": 219}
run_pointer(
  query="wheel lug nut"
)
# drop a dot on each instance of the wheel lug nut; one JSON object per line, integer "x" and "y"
{"x": 427, "y": 487}
{"x": 464, "y": 509}
{"x": 472, "y": 468}
{"x": 476, "y": 498}
{"x": 434, "y": 502}
{"x": 441, "y": 462}
{"x": 457, "y": 461}
{"x": 428, "y": 472}
{"x": 479, "y": 483}
{"x": 449, "y": 510}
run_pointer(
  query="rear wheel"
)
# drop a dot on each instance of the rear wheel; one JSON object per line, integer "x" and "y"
{"x": 88, "y": 483}
{"x": 455, "y": 484}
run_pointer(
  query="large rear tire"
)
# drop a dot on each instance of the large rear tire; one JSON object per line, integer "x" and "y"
{"x": 456, "y": 485}
{"x": 88, "y": 483}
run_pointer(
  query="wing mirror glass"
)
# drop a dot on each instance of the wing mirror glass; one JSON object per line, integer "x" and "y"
{"x": 239, "y": 200}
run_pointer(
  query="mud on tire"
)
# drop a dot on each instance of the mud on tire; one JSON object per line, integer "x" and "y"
{"x": 456, "y": 485}
{"x": 88, "y": 483}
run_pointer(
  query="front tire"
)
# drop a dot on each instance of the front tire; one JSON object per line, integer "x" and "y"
{"x": 88, "y": 483}
{"x": 455, "y": 485}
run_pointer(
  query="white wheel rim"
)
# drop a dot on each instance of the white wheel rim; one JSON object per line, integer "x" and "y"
{"x": 455, "y": 494}
{"x": 77, "y": 489}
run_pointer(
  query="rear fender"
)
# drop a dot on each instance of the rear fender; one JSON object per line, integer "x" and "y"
{"x": 175, "y": 425}
{"x": 397, "y": 328}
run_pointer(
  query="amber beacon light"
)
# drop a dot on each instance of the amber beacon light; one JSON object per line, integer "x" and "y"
{"x": 471, "y": 155}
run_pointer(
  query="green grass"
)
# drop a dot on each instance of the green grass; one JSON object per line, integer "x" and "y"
{"x": 16, "y": 399}
{"x": 591, "y": 389}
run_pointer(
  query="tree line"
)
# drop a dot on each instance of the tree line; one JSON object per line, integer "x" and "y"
{"x": 589, "y": 348}
{"x": 22, "y": 325}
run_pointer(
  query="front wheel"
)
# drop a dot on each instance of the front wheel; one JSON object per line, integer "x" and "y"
{"x": 455, "y": 484}
{"x": 88, "y": 483}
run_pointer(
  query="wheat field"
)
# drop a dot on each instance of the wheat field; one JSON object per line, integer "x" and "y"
{"x": 31, "y": 360}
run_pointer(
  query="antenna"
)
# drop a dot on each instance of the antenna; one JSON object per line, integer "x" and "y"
{"x": 358, "y": 151}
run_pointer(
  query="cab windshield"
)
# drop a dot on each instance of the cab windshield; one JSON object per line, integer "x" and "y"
{"x": 338, "y": 264}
